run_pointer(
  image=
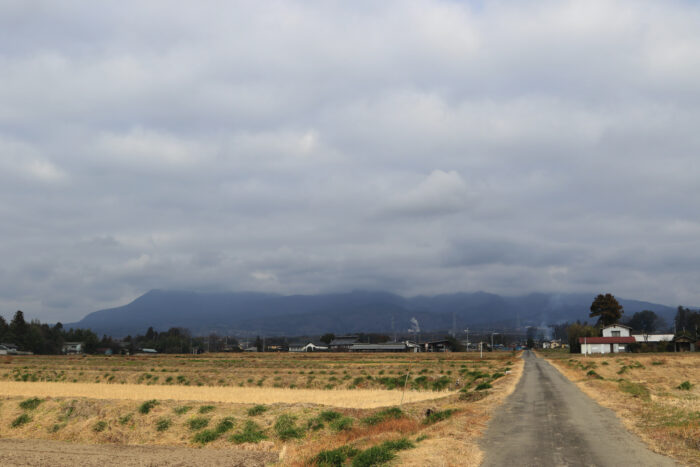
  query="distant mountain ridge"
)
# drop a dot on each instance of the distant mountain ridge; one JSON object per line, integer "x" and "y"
{"x": 249, "y": 313}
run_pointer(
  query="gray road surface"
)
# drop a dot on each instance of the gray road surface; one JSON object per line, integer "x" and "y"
{"x": 548, "y": 421}
{"x": 15, "y": 453}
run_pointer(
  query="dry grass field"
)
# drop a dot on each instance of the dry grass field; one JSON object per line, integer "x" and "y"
{"x": 657, "y": 396}
{"x": 302, "y": 406}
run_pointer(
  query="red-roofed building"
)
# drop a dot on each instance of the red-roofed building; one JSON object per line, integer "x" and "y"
{"x": 615, "y": 339}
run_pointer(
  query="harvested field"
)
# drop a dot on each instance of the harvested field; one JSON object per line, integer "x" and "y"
{"x": 429, "y": 372}
{"x": 657, "y": 396}
{"x": 346, "y": 398}
{"x": 297, "y": 406}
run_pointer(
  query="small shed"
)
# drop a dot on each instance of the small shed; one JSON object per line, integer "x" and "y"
{"x": 683, "y": 343}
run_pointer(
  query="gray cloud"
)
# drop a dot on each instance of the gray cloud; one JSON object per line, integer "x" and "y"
{"x": 299, "y": 147}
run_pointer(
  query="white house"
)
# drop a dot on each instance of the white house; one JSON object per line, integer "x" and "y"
{"x": 73, "y": 347}
{"x": 615, "y": 339}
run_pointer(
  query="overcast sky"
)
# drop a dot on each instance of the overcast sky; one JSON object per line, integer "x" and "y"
{"x": 418, "y": 147}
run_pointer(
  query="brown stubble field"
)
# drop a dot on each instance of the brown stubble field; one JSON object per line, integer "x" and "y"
{"x": 294, "y": 404}
{"x": 648, "y": 392}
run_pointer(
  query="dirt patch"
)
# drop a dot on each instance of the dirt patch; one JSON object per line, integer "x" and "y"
{"x": 56, "y": 453}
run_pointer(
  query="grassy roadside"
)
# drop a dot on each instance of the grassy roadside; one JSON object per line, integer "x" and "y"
{"x": 448, "y": 437}
{"x": 657, "y": 396}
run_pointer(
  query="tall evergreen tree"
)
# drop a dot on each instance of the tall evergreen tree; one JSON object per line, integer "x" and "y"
{"x": 607, "y": 309}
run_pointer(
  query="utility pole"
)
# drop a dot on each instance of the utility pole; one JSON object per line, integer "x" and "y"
{"x": 467, "y": 331}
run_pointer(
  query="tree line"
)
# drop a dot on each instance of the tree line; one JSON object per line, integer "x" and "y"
{"x": 42, "y": 338}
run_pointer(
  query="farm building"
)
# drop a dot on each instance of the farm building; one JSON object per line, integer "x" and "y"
{"x": 437, "y": 346}
{"x": 653, "y": 338}
{"x": 342, "y": 343}
{"x": 309, "y": 346}
{"x": 683, "y": 343}
{"x": 385, "y": 347}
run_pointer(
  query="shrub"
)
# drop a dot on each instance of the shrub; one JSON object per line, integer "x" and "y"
{"x": 286, "y": 428}
{"x": 482, "y": 386}
{"x": 206, "y": 408}
{"x": 206, "y": 436}
{"x": 21, "y": 420}
{"x": 147, "y": 406}
{"x": 183, "y": 409}
{"x": 684, "y": 386}
{"x": 334, "y": 457}
{"x": 251, "y": 434}
{"x": 257, "y": 410}
{"x": 497, "y": 375}
{"x": 99, "y": 426}
{"x": 125, "y": 419}
{"x": 593, "y": 374}
{"x": 438, "y": 416}
{"x": 197, "y": 423}
{"x": 658, "y": 362}
{"x": 163, "y": 424}
{"x": 30, "y": 404}
{"x": 373, "y": 456}
{"x": 341, "y": 424}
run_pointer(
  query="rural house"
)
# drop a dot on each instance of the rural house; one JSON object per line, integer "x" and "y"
{"x": 616, "y": 338}
{"x": 73, "y": 348}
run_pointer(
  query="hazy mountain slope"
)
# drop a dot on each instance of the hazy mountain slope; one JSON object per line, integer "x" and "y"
{"x": 255, "y": 313}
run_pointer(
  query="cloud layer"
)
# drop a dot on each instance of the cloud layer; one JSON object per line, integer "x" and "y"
{"x": 300, "y": 147}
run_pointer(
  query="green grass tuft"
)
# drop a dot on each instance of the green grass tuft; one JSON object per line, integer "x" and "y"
{"x": 684, "y": 386}
{"x": 30, "y": 404}
{"x": 197, "y": 423}
{"x": 439, "y": 415}
{"x": 206, "y": 409}
{"x": 163, "y": 424}
{"x": 377, "y": 455}
{"x": 251, "y": 434}
{"x": 21, "y": 420}
{"x": 99, "y": 426}
{"x": 225, "y": 425}
{"x": 341, "y": 424}
{"x": 286, "y": 428}
{"x": 257, "y": 410}
{"x": 206, "y": 436}
{"x": 147, "y": 406}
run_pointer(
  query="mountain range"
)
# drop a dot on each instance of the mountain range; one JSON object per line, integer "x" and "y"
{"x": 248, "y": 313}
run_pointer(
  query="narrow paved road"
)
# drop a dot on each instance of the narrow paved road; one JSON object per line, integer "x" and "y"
{"x": 548, "y": 421}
